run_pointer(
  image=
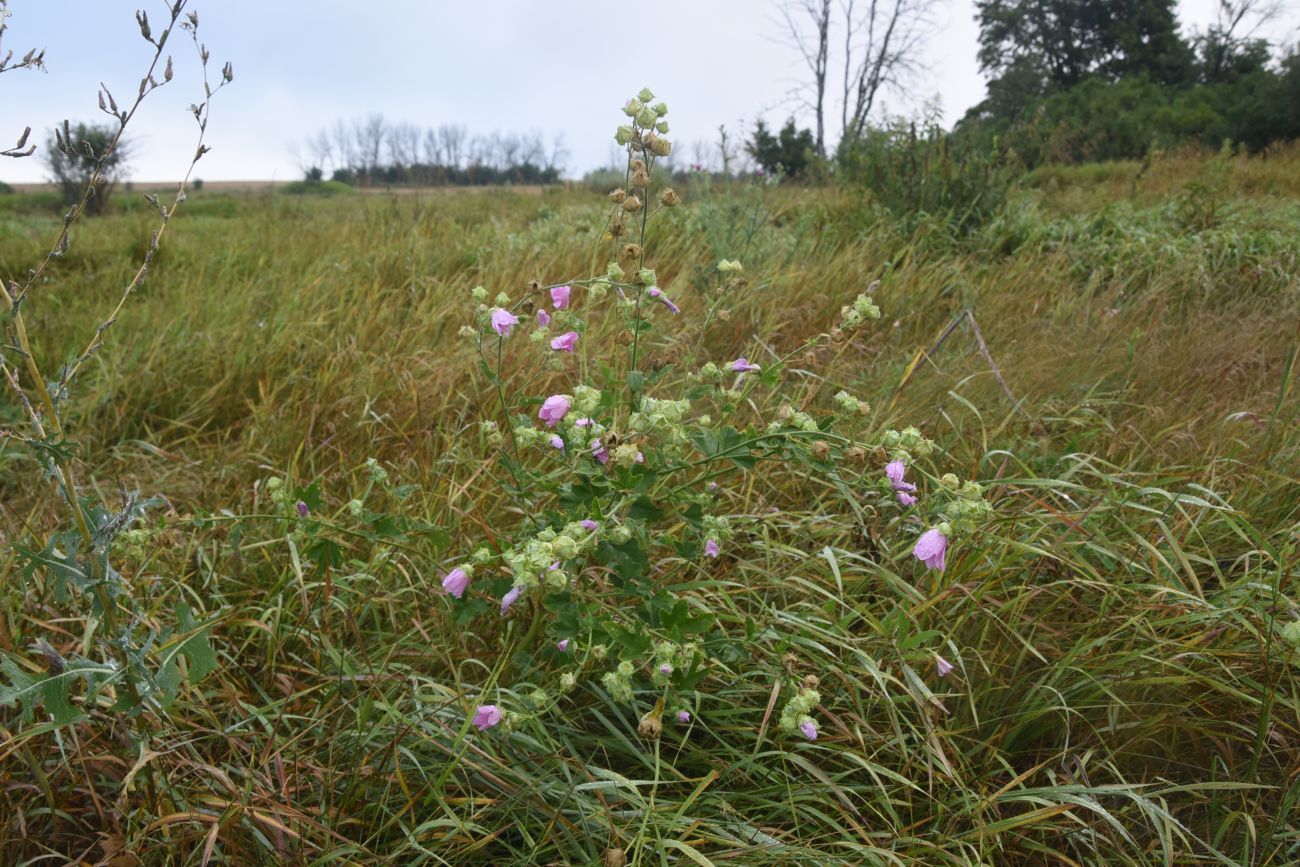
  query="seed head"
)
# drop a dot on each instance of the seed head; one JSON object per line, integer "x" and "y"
{"x": 669, "y": 197}
{"x": 631, "y": 204}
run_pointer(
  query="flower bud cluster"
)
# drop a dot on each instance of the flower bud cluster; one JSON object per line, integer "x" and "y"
{"x": 539, "y": 559}
{"x": 848, "y": 403}
{"x": 862, "y": 309}
{"x": 907, "y": 444}
{"x": 796, "y": 716}
{"x": 966, "y": 508}
{"x": 618, "y": 683}
{"x": 727, "y": 266}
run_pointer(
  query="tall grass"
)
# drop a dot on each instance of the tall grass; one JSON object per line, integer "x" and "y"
{"x": 1122, "y": 692}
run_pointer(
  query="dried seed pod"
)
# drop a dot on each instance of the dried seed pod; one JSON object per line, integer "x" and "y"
{"x": 821, "y": 450}
{"x": 668, "y": 198}
{"x": 617, "y": 196}
{"x": 857, "y": 454}
{"x": 650, "y": 727}
{"x": 640, "y": 180}
{"x": 625, "y": 338}
{"x": 811, "y": 681}
{"x": 631, "y": 251}
{"x": 615, "y": 857}
{"x": 618, "y": 227}
{"x": 631, "y": 204}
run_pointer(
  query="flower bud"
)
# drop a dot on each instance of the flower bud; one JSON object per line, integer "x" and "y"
{"x": 662, "y": 127}
{"x": 645, "y": 95}
{"x": 668, "y": 198}
{"x": 631, "y": 204}
{"x": 632, "y": 107}
{"x": 646, "y": 117}
{"x": 623, "y": 135}
{"x": 647, "y": 277}
{"x": 660, "y": 108}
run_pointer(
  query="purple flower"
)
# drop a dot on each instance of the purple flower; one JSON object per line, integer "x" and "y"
{"x": 503, "y": 321}
{"x": 302, "y": 509}
{"x": 943, "y": 666}
{"x": 683, "y": 716}
{"x": 511, "y": 598}
{"x": 560, "y": 296}
{"x": 582, "y": 422}
{"x": 711, "y": 549}
{"x": 543, "y": 318}
{"x": 906, "y": 499}
{"x": 487, "y": 716}
{"x": 656, "y": 292}
{"x": 665, "y": 669}
{"x": 562, "y": 645}
{"x": 930, "y": 547}
{"x": 553, "y": 409}
{"x": 557, "y": 442}
{"x": 589, "y": 524}
{"x": 809, "y": 728}
{"x": 895, "y": 471}
{"x": 598, "y": 452}
{"x": 742, "y": 365}
{"x": 565, "y": 342}
{"x": 455, "y": 582}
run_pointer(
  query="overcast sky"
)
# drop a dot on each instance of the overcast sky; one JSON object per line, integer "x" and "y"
{"x": 559, "y": 67}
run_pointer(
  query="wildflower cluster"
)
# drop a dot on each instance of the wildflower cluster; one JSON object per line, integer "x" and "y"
{"x": 615, "y": 470}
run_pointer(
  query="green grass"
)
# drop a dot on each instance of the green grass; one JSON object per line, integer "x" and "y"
{"x": 1123, "y": 694}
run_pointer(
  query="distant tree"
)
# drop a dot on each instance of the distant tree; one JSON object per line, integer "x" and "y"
{"x": 879, "y": 42}
{"x": 1230, "y": 48}
{"x": 72, "y": 162}
{"x": 1069, "y": 40}
{"x": 314, "y": 175}
{"x": 792, "y": 150}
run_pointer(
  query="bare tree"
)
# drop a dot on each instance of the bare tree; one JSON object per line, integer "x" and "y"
{"x": 368, "y": 136}
{"x": 1236, "y": 26}
{"x": 453, "y": 138}
{"x": 882, "y": 50}
{"x": 404, "y": 144}
{"x": 808, "y": 26}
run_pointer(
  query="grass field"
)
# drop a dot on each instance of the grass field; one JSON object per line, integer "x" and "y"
{"x": 1123, "y": 692}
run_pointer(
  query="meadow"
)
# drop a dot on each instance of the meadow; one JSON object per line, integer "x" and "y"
{"x": 1111, "y": 356}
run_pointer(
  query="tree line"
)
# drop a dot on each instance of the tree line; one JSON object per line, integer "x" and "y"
{"x": 372, "y": 151}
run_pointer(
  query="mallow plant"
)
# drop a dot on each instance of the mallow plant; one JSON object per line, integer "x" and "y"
{"x": 619, "y": 445}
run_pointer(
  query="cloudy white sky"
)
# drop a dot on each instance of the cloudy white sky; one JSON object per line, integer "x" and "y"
{"x": 563, "y": 66}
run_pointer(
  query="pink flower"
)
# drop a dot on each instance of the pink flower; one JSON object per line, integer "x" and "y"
{"x": 656, "y": 292}
{"x": 809, "y": 728}
{"x": 557, "y": 442}
{"x": 565, "y": 342}
{"x": 895, "y": 471}
{"x": 455, "y": 582}
{"x": 582, "y": 422}
{"x": 487, "y": 716}
{"x": 906, "y": 499}
{"x": 665, "y": 669}
{"x": 943, "y": 666}
{"x": 560, "y": 296}
{"x": 589, "y": 525}
{"x": 543, "y": 318}
{"x": 930, "y": 547}
{"x": 742, "y": 365}
{"x": 711, "y": 549}
{"x": 599, "y": 453}
{"x": 562, "y": 645}
{"x": 553, "y": 409}
{"x": 683, "y": 716}
{"x": 503, "y": 321}
{"x": 511, "y": 598}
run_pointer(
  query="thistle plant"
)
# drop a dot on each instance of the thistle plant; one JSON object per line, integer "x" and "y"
{"x": 127, "y": 663}
{"x": 619, "y": 446}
